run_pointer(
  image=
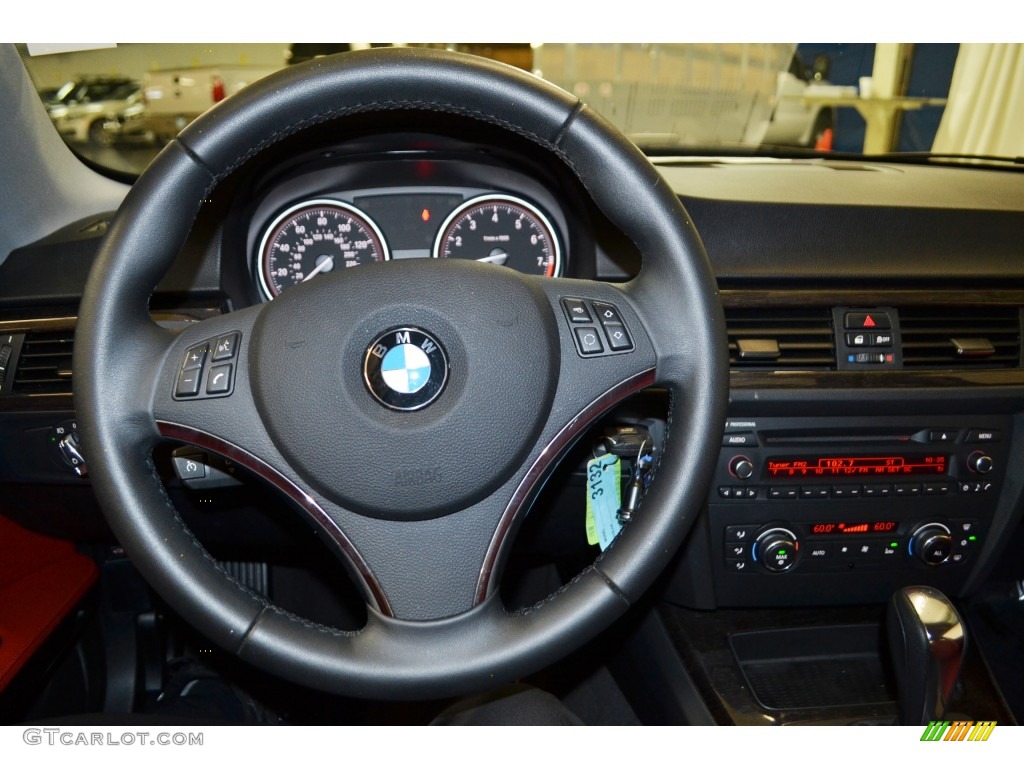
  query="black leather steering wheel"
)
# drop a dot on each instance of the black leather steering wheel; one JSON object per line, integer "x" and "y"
{"x": 420, "y": 504}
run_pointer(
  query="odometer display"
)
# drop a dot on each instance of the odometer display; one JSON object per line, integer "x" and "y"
{"x": 313, "y": 238}
{"x": 503, "y": 230}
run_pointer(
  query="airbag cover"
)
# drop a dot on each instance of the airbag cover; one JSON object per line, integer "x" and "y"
{"x": 500, "y": 338}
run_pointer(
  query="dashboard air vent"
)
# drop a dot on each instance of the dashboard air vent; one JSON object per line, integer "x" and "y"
{"x": 945, "y": 337}
{"x": 44, "y": 365}
{"x": 780, "y": 339}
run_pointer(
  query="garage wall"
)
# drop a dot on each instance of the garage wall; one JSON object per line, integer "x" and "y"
{"x": 134, "y": 59}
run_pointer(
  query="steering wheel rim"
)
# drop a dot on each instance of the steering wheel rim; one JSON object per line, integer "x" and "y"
{"x": 125, "y": 367}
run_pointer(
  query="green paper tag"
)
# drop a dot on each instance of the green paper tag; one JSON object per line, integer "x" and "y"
{"x": 604, "y": 495}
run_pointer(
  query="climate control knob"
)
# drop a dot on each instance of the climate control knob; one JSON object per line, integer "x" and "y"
{"x": 980, "y": 463}
{"x": 741, "y": 467}
{"x": 932, "y": 544}
{"x": 776, "y": 549}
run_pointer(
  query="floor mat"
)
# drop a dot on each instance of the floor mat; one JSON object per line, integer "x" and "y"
{"x": 41, "y": 581}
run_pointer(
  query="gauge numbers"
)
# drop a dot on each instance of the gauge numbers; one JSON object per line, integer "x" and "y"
{"x": 313, "y": 238}
{"x": 500, "y": 229}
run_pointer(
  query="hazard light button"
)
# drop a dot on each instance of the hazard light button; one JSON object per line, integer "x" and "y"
{"x": 857, "y": 321}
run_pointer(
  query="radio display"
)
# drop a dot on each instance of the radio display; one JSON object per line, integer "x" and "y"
{"x": 857, "y": 466}
{"x": 874, "y": 526}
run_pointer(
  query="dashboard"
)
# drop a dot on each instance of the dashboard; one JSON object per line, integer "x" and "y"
{"x": 874, "y": 315}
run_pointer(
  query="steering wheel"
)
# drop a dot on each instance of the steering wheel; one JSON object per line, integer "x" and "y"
{"x": 419, "y": 485}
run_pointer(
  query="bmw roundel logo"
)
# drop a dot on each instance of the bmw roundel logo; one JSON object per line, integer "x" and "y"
{"x": 405, "y": 369}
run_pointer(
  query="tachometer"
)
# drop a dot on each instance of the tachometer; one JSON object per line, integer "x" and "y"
{"x": 499, "y": 229}
{"x": 313, "y": 238}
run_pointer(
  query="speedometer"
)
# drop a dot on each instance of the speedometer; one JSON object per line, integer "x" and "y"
{"x": 313, "y": 238}
{"x": 500, "y": 229}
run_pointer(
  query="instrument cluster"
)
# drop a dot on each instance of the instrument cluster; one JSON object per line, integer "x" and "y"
{"x": 342, "y": 217}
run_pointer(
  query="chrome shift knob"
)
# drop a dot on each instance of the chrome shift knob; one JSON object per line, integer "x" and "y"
{"x": 927, "y": 642}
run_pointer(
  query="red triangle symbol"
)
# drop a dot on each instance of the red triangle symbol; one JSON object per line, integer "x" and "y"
{"x": 868, "y": 322}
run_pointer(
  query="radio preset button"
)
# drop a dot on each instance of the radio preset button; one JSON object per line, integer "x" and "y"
{"x": 783, "y": 493}
{"x": 936, "y": 489}
{"x": 877, "y": 491}
{"x": 846, "y": 491}
{"x": 904, "y": 490}
{"x": 814, "y": 492}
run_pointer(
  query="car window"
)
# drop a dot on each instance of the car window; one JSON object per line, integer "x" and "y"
{"x": 780, "y": 99}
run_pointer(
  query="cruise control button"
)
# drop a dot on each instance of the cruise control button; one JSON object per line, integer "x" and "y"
{"x": 588, "y": 340}
{"x": 618, "y": 338}
{"x": 577, "y": 311}
{"x": 220, "y": 379}
{"x": 188, "y": 383}
{"x": 607, "y": 314}
{"x": 224, "y": 349}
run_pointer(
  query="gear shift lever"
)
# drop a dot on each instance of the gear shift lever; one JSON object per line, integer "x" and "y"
{"x": 927, "y": 643}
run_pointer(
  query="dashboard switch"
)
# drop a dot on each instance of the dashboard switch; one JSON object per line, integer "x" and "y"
{"x": 588, "y": 340}
{"x": 857, "y": 321}
{"x": 618, "y": 338}
{"x": 607, "y": 314}
{"x": 220, "y": 379}
{"x": 224, "y": 349}
{"x": 188, "y": 382}
{"x": 577, "y": 311}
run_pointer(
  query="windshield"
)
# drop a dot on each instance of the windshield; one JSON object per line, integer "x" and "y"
{"x": 780, "y": 99}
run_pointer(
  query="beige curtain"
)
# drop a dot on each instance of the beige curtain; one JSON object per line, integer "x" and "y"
{"x": 985, "y": 111}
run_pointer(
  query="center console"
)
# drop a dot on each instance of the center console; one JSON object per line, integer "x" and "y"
{"x": 841, "y": 510}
